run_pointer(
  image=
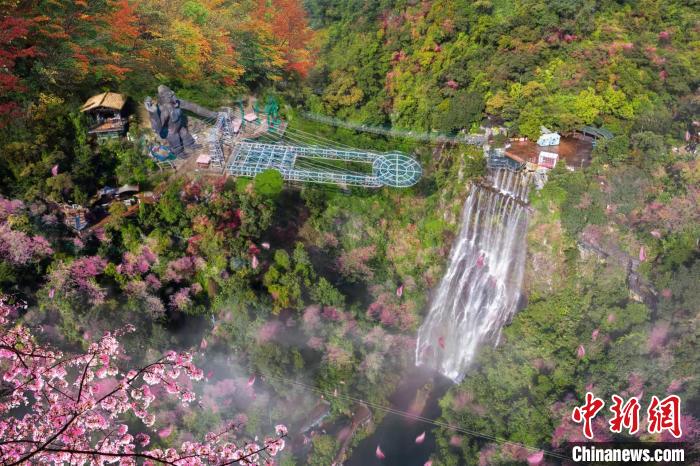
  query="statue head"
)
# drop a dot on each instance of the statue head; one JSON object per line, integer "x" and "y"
{"x": 166, "y": 95}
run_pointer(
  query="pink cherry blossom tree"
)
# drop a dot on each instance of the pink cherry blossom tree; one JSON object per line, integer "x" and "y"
{"x": 19, "y": 248}
{"x": 60, "y": 408}
{"x": 354, "y": 264}
{"x": 78, "y": 279}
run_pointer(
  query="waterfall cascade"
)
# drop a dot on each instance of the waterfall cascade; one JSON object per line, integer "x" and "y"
{"x": 481, "y": 287}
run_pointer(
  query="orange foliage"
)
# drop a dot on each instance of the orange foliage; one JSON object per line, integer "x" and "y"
{"x": 124, "y": 23}
{"x": 289, "y": 27}
{"x": 112, "y": 39}
{"x": 13, "y": 31}
{"x": 118, "y": 72}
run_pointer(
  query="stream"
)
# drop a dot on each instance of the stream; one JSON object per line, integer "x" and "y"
{"x": 418, "y": 394}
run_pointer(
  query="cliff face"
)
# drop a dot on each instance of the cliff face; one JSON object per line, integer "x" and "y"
{"x": 554, "y": 259}
{"x": 546, "y": 268}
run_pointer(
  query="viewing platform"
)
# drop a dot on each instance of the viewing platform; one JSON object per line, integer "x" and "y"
{"x": 323, "y": 165}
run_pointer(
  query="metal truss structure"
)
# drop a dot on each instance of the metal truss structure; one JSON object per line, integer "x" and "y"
{"x": 315, "y": 164}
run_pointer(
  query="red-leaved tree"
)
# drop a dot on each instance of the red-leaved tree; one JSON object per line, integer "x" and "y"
{"x": 60, "y": 408}
{"x": 13, "y": 32}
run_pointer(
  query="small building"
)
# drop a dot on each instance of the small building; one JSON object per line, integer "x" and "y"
{"x": 104, "y": 196}
{"x": 127, "y": 191}
{"x": 163, "y": 156}
{"x": 596, "y": 133}
{"x": 74, "y": 217}
{"x": 203, "y": 161}
{"x": 593, "y": 134}
{"x": 547, "y": 159}
{"x": 548, "y": 138}
{"x": 106, "y": 191}
{"x": 106, "y": 112}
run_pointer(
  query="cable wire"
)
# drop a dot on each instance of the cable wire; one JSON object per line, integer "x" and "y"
{"x": 416, "y": 417}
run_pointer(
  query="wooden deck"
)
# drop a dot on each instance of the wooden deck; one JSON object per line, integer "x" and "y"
{"x": 113, "y": 126}
{"x": 575, "y": 151}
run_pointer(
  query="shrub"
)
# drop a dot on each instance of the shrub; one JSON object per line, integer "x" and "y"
{"x": 269, "y": 183}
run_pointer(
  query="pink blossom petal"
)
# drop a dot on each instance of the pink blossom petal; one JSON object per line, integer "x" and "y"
{"x": 251, "y": 380}
{"x": 420, "y": 438}
{"x": 254, "y": 262}
{"x": 674, "y": 386}
{"x": 399, "y": 291}
{"x": 535, "y": 458}
{"x": 165, "y": 432}
{"x": 581, "y": 351}
{"x": 380, "y": 454}
{"x": 54, "y": 170}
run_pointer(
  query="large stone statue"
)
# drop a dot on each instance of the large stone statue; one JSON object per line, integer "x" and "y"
{"x": 168, "y": 121}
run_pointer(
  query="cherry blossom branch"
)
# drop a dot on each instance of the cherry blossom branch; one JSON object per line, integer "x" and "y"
{"x": 65, "y": 410}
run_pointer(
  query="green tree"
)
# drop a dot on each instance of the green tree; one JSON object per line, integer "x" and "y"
{"x": 649, "y": 148}
{"x": 269, "y": 183}
{"x": 324, "y": 450}
{"x": 170, "y": 205}
{"x": 288, "y": 278}
{"x": 459, "y": 111}
{"x": 613, "y": 151}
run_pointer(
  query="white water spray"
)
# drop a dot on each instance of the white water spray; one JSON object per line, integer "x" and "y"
{"x": 481, "y": 288}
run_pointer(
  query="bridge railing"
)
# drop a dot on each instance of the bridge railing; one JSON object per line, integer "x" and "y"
{"x": 313, "y": 176}
{"x": 335, "y": 154}
{"x": 471, "y": 139}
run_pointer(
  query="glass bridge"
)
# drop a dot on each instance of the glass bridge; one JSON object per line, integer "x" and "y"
{"x": 314, "y": 164}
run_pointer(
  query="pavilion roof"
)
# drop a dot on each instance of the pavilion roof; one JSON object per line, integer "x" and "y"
{"x": 106, "y": 99}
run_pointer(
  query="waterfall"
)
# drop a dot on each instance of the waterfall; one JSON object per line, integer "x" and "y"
{"x": 481, "y": 288}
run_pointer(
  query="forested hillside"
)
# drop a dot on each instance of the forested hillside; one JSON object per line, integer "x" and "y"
{"x": 56, "y": 54}
{"x": 439, "y": 65}
{"x": 591, "y": 324}
{"x": 300, "y": 302}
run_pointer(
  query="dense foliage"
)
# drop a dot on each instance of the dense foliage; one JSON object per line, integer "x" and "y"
{"x": 437, "y": 65}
